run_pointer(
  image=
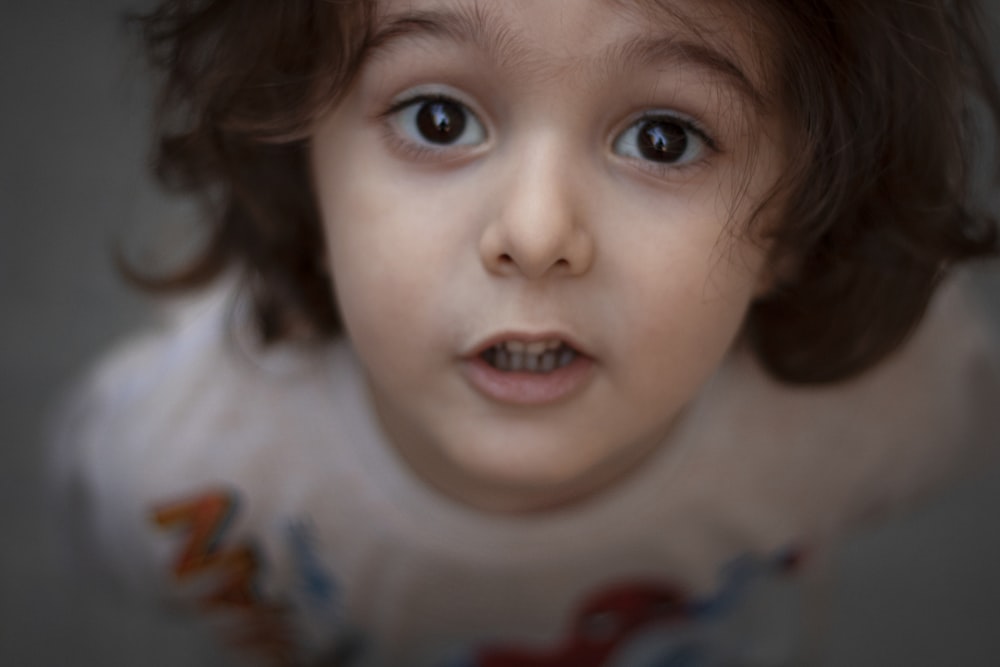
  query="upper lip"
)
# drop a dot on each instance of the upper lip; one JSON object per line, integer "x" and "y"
{"x": 525, "y": 337}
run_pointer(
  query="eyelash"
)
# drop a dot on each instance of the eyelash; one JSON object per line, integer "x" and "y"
{"x": 690, "y": 126}
{"x": 405, "y": 141}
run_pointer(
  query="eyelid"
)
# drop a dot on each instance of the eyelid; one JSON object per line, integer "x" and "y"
{"x": 414, "y": 147}
{"x": 427, "y": 91}
{"x": 688, "y": 123}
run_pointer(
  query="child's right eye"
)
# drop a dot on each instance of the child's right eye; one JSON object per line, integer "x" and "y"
{"x": 437, "y": 121}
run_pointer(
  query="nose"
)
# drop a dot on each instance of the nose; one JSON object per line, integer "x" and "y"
{"x": 539, "y": 229}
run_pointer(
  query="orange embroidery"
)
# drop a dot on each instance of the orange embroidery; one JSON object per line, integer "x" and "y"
{"x": 205, "y": 520}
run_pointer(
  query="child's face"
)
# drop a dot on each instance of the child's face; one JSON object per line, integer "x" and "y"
{"x": 560, "y": 175}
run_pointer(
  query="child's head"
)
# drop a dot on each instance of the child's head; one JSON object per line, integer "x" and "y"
{"x": 611, "y": 189}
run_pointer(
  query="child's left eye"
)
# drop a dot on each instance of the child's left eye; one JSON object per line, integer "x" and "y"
{"x": 663, "y": 139}
{"x": 437, "y": 121}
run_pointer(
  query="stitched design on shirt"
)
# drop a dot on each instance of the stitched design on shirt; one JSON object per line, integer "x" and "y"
{"x": 205, "y": 522}
{"x": 602, "y": 624}
{"x": 645, "y": 622}
{"x": 315, "y": 584}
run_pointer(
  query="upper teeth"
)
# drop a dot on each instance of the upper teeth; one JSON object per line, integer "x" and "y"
{"x": 537, "y": 347}
{"x": 538, "y": 356}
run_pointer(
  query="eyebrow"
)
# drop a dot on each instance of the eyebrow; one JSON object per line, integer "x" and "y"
{"x": 482, "y": 29}
{"x": 465, "y": 26}
{"x": 664, "y": 50}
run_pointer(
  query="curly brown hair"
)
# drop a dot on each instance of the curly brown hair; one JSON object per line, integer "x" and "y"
{"x": 877, "y": 202}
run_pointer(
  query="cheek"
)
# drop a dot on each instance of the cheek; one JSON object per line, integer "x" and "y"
{"x": 688, "y": 289}
{"x": 685, "y": 275}
{"x": 684, "y": 330}
{"x": 390, "y": 273}
{"x": 360, "y": 246}
{"x": 383, "y": 315}
{"x": 374, "y": 297}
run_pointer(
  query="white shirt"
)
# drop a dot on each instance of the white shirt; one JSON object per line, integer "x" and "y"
{"x": 257, "y": 487}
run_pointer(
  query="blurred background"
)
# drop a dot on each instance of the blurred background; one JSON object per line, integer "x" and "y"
{"x": 924, "y": 590}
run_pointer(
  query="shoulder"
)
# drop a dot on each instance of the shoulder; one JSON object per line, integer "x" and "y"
{"x": 865, "y": 447}
{"x": 192, "y": 378}
{"x": 183, "y": 407}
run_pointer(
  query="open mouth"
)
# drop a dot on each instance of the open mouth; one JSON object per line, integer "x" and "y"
{"x": 536, "y": 357}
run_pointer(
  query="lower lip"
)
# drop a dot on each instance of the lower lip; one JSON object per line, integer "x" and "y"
{"x": 523, "y": 388}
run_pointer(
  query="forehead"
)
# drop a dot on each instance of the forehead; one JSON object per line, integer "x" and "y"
{"x": 559, "y": 37}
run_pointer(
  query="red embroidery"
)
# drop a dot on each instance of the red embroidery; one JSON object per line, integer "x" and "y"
{"x": 604, "y": 623}
{"x": 205, "y": 519}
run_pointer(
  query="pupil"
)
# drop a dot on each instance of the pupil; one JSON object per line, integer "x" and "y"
{"x": 662, "y": 141}
{"x": 441, "y": 121}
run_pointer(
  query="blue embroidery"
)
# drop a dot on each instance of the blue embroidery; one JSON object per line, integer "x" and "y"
{"x": 315, "y": 583}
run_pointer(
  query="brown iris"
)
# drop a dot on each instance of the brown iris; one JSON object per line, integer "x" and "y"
{"x": 662, "y": 141}
{"x": 441, "y": 121}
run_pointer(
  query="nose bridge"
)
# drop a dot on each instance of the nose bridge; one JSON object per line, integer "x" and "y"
{"x": 539, "y": 228}
{"x": 539, "y": 201}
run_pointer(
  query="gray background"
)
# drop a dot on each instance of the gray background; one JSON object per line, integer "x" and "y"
{"x": 923, "y": 590}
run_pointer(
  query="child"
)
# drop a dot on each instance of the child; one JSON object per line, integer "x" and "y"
{"x": 629, "y": 295}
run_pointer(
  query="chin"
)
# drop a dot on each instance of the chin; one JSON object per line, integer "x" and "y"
{"x": 518, "y": 455}
{"x": 530, "y": 474}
